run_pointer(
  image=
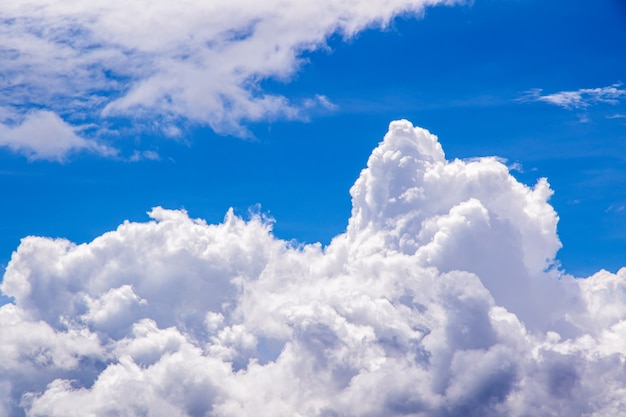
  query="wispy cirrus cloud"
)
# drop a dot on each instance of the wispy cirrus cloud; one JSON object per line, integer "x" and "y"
{"x": 579, "y": 99}
{"x": 145, "y": 60}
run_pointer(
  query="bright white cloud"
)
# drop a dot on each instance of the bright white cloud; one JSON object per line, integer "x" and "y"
{"x": 582, "y": 98}
{"x": 200, "y": 61}
{"x": 438, "y": 300}
{"x": 44, "y": 135}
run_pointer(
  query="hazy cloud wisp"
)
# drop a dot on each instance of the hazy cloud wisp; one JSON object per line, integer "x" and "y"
{"x": 579, "y": 99}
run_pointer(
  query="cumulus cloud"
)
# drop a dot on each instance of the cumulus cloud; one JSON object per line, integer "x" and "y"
{"x": 161, "y": 62}
{"x": 442, "y": 298}
{"x": 579, "y": 99}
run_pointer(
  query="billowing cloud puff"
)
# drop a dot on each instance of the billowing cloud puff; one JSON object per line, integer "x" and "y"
{"x": 158, "y": 62}
{"x": 442, "y": 298}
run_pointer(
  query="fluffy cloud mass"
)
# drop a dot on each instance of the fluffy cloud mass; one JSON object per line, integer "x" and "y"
{"x": 159, "y": 62}
{"x": 442, "y": 298}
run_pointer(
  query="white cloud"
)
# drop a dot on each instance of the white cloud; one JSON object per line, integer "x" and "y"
{"x": 194, "y": 60}
{"x": 44, "y": 135}
{"x": 579, "y": 99}
{"x": 145, "y": 155}
{"x": 438, "y": 300}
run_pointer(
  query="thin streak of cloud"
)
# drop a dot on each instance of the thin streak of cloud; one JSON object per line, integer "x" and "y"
{"x": 579, "y": 99}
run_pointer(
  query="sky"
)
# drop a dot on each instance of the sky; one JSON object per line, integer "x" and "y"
{"x": 316, "y": 208}
{"x": 485, "y": 77}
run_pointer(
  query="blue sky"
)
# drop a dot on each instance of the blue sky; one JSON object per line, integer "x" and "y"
{"x": 467, "y": 73}
{"x": 439, "y": 286}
